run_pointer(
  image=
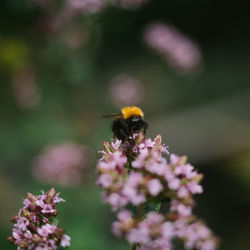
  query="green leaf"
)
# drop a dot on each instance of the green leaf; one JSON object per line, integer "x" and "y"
{"x": 153, "y": 206}
{"x": 54, "y": 221}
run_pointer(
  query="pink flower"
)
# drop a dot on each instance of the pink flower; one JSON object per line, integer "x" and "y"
{"x": 131, "y": 190}
{"x": 40, "y": 203}
{"x": 140, "y": 161}
{"x": 65, "y": 241}
{"x": 42, "y": 246}
{"x": 28, "y": 234}
{"x": 32, "y": 228}
{"x": 57, "y": 199}
{"x": 116, "y": 201}
{"x": 174, "y": 183}
{"x": 135, "y": 175}
{"x": 52, "y": 244}
{"x": 124, "y": 215}
{"x": 178, "y": 50}
{"x": 26, "y": 202}
{"x": 47, "y": 208}
{"x": 22, "y": 223}
{"x": 43, "y": 231}
{"x": 46, "y": 229}
{"x": 25, "y": 87}
{"x": 180, "y": 208}
{"x": 116, "y": 228}
{"x": 125, "y": 89}
{"x": 182, "y": 192}
{"x": 62, "y": 164}
{"x": 194, "y": 188}
{"x": 154, "y": 187}
{"x": 16, "y": 233}
{"x": 105, "y": 180}
{"x": 140, "y": 234}
{"x": 167, "y": 230}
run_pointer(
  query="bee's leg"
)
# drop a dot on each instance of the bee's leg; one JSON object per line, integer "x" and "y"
{"x": 145, "y": 126}
{"x": 123, "y": 134}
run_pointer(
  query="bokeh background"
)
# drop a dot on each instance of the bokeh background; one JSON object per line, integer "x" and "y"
{"x": 63, "y": 64}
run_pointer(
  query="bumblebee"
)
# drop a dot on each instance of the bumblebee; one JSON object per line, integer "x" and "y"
{"x": 128, "y": 122}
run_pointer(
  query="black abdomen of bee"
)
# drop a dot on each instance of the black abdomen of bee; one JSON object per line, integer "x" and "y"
{"x": 124, "y": 128}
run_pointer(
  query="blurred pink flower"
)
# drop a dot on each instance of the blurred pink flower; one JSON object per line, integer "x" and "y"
{"x": 179, "y": 51}
{"x": 126, "y": 90}
{"x": 25, "y": 88}
{"x": 62, "y": 164}
{"x": 71, "y": 9}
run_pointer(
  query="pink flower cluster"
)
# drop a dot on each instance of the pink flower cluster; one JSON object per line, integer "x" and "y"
{"x": 126, "y": 90}
{"x": 179, "y": 51}
{"x": 135, "y": 174}
{"x": 156, "y": 231}
{"x": 35, "y": 227}
{"x": 84, "y": 6}
{"x": 25, "y": 88}
{"x": 62, "y": 164}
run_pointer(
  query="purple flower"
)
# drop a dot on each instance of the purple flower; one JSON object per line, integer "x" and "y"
{"x": 175, "y": 47}
{"x": 136, "y": 174}
{"x": 125, "y": 90}
{"x": 46, "y": 229}
{"x": 65, "y": 242}
{"x": 47, "y": 208}
{"x": 57, "y": 199}
{"x": 105, "y": 180}
{"x": 25, "y": 87}
{"x": 32, "y": 226}
{"x": 154, "y": 187}
{"x": 62, "y": 164}
{"x": 167, "y": 230}
{"x": 194, "y": 188}
{"x": 22, "y": 223}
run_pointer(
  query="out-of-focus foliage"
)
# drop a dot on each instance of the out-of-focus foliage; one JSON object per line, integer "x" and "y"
{"x": 57, "y": 68}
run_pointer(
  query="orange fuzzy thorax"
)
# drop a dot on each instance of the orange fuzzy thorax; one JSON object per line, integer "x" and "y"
{"x": 130, "y": 111}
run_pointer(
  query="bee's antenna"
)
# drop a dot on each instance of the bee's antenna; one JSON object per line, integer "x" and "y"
{"x": 111, "y": 115}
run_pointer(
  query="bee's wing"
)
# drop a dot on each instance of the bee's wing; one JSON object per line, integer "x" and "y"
{"x": 111, "y": 115}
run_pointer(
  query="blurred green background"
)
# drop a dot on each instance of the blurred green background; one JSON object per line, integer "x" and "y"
{"x": 69, "y": 71}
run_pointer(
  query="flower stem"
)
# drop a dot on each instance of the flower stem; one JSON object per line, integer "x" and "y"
{"x": 140, "y": 211}
{"x": 134, "y": 246}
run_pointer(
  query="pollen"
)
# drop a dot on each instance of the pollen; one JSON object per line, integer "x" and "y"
{"x": 130, "y": 111}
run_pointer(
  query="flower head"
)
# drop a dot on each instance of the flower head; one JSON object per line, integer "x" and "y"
{"x": 175, "y": 47}
{"x": 62, "y": 164}
{"x": 137, "y": 174}
{"x": 33, "y": 225}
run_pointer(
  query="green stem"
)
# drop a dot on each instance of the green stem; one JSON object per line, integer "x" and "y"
{"x": 140, "y": 211}
{"x": 134, "y": 246}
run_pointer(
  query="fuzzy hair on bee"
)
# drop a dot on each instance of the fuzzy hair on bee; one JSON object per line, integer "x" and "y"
{"x": 128, "y": 122}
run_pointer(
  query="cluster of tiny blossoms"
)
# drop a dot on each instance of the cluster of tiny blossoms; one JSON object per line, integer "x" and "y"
{"x": 136, "y": 174}
{"x": 73, "y": 8}
{"x": 178, "y": 50}
{"x": 35, "y": 224}
{"x": 62, "y": 164}
{"x": 126, "y": 89}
